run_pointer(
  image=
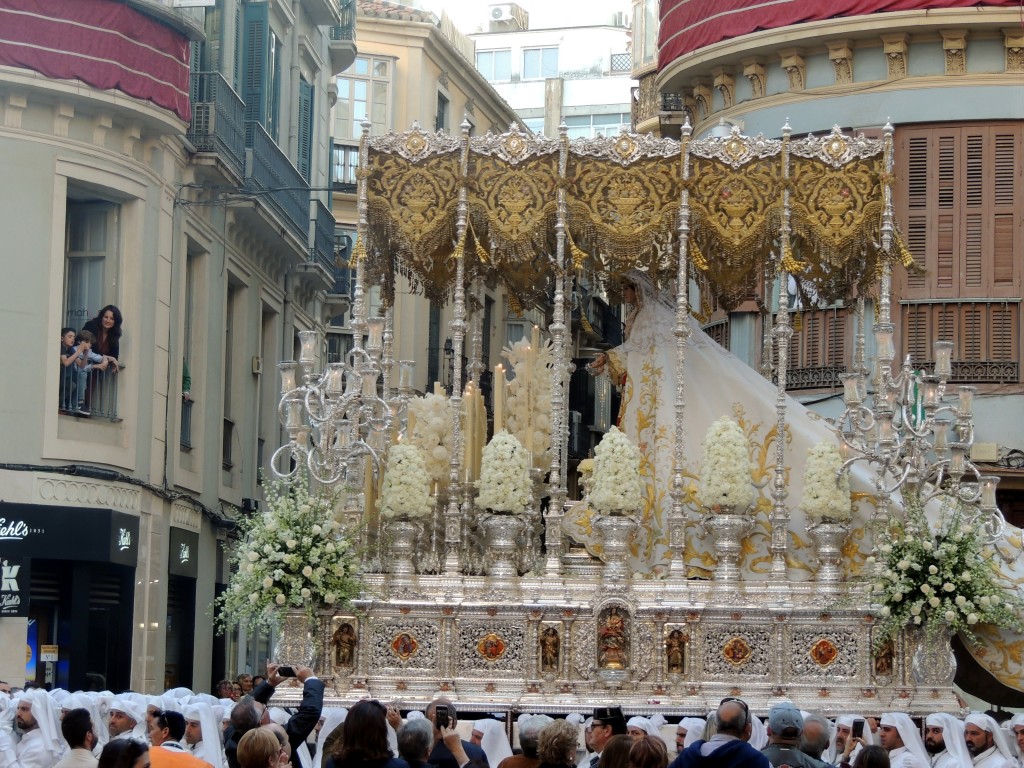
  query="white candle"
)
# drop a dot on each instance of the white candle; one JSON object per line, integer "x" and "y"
{"x": 499, "y": 398}
{"x": 438, "y": 390}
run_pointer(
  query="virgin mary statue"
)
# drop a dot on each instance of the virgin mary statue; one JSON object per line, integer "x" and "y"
{"x": 716, "y": 384}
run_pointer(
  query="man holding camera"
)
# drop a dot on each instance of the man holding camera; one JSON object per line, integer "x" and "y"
{"x": 251, "y": 711}
{"x": 441, "y": 712}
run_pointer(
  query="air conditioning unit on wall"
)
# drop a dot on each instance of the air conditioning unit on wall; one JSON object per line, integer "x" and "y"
{"x": 508, "y": 17}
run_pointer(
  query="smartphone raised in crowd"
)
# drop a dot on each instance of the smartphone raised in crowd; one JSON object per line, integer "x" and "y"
{"x": 858, "y": 728}
{"x": 441, "y": 716}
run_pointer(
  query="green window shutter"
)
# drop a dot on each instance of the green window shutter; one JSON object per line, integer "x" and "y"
{"x": 195, "y": 67}
{"x": 254, "y": 79}
{"x": 236, "y": 75}
{"x": 305, "y": 128}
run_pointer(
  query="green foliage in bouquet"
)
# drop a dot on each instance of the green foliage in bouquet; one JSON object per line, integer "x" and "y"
{"x": 293, "y": 555}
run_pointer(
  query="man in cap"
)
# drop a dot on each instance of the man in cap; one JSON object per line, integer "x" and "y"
{"x": 785, "y": 725}
{"x": 77, "y": 729}
{"x": 607, "y": 722}
{"x": 944, "y": 741}
{"x": 126, "y": 720}
{"x": 728, "y": 748}
{"x": 898, "y": 736}
{"x": 987, "y": 743}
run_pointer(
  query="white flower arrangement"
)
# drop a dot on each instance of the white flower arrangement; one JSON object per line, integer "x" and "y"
{"x": 405, "y": 491}
{"x": 586, "y": 467}
{"x": 725, "y": 468}
{"x": 825, "y": 497}
{"x": 293, "y": 555}
{"x": 617, "y": 487}
{"x": 939, "y": 577}
{"x": 432, "y": 434}
{"x": 532, "y": 383}
{"x": 504, "y": 475}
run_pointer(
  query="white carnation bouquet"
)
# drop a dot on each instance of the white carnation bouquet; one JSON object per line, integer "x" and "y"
{"x": 293, "y": 555}
{"x": 825, "y": 496}
{"x": 432, "y": 434}
{"x": 940, "y": 576}
{"x": 529, "y": 397}
{"x": 725, "y": 468}
{"x": 405, "y": 491}
{"x": 504, "y": 475}
{"x": 617, "y": 487}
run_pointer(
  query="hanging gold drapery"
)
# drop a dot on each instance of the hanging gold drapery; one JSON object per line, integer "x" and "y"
{"x": 836, "y": 216}
{"x": 413, "y": 189}
{"x": 512, "y": 207}
{"x": 622, "y": 197}
{"x": 735, "y": 200}
{"x": 622, "y": 211}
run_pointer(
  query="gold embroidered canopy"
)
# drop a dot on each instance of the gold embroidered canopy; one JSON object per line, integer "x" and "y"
{"x": 627, "y": 199}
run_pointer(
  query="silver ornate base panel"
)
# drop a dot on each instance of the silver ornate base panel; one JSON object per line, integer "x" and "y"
{"x": 567, "y": 644}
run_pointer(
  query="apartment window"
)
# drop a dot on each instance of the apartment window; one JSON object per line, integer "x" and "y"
{"x": 817, "y": 348}
{"x": 496, "y": 66}
{"x": 90, "y": 259}
{"x": 589, "y": 126}
{"x": 344, "y": 164}
{"x": 441, "y": 120}
{"x": 305, "y": 143}
{"x": 540, "y": 63}
{"x": 959, "y": 200}
{"x": 364, "y": 92}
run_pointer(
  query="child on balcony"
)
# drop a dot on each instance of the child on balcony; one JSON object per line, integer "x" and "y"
{"x": 85, "y": 361}
{"x": 72, "y": 377}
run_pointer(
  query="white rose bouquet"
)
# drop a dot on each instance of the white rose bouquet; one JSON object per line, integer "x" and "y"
{"x": 825, "y": 497}
{"x": 725, "y": 468}
{"x": 405, "y": 491}
{"x": 939, "y": 576}
{"x": 504, "y": 475}
{"x": 293, "y": 555}
{"x": 432, "y": 434}
{"x": 617, "y": 487}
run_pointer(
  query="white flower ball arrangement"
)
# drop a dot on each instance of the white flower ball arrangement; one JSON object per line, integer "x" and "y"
{"x": 824, "y": 497}
{"x": 432, "y": 434}
{"x": 528, "y": 407}
{"x": 725, "y": 468}
{"x": 405, "y": 491}
{"x": 504, "y": 475}
{"x": 617, "y": 487}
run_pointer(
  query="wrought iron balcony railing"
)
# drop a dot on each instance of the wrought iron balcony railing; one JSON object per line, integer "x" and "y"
{"x": 218, "y": 120}
{"x": 268, "y": 168}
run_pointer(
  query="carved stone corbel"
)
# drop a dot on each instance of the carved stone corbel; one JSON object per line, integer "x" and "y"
{"x": 725, "y": 83}
{"x": 702, "y": 96}
{"x": 954, "y": 44}
{"x": 796, "y": 67}
{"x": 840, "y": 53}
{"x": 1013, "y": 39}
{"x": 896, "y": 48}
{"x": 14, "y": 108}
{"x": 753, "y": 70}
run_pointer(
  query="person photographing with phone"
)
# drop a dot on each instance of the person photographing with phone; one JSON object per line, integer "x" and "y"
{"x": 251, "y": 710}
{"x": 447, "y": 744}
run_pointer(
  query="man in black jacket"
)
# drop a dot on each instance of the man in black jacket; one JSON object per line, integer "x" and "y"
{"x": 251, "y": 711}
{"x": 441, "y": 756}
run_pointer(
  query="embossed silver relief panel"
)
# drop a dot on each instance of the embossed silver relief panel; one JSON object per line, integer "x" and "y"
{"x": 492, "y": 649}
{"x": 736, "y": 651}
{"x": 405, "y": 644}
{"x": 823, "y": 653}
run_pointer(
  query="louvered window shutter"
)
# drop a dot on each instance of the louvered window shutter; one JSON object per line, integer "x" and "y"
{"x": 254, "y": 78}
{"x": 305, "y": 148}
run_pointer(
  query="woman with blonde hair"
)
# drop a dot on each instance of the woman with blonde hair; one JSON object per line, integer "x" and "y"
{"x": 260, "y": 748}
